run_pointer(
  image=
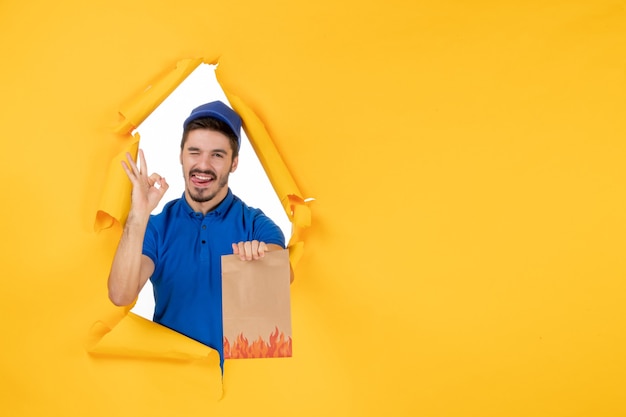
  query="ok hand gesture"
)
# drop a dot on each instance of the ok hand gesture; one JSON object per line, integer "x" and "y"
{"x": 147, "y": 190}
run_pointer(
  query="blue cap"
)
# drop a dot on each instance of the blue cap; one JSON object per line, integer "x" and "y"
{"x": 220, "y": 111}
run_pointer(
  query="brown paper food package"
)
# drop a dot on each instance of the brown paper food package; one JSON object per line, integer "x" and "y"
{"x": 256, "y": 306}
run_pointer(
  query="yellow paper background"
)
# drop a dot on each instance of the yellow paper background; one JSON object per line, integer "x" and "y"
{"x": 466, "y": 249}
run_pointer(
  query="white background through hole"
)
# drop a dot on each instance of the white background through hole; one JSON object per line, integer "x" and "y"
{"x": 160, "y": 136}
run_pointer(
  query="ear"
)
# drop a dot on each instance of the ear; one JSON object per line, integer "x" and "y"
{"x": 233, "y": 166}
{"x": 180, "y": 156}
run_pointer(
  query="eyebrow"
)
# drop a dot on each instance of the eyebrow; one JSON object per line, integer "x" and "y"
{"x": 196, "y": 149}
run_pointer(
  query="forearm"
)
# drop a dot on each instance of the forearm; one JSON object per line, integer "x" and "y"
{"x": 126, "y": 278}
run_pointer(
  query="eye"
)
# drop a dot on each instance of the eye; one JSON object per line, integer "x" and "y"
{"x": 218, "y": 155}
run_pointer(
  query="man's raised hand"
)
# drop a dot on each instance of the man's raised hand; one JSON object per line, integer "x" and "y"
{"x": 147, "y": 190}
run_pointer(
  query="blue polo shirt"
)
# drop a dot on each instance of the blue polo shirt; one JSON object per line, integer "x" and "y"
{"x": 186, "y": 248}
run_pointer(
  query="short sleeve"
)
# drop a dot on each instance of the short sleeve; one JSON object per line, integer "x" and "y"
{"x": 265, "y": 230}
{"x": 150, "y": 242}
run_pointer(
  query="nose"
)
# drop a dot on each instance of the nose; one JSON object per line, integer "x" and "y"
{"x": 204, "y": 162}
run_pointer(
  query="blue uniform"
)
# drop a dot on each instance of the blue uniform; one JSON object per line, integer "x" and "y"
{"x": 186, "y": 248}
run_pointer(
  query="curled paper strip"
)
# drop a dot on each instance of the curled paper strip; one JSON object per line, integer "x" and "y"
{"x": 133, "y": 337}
{"x": 136, "y": 111}
{"x": 295, "y": 206}
{"x": 115, "y": 200}
{"x": 136, "y": 337}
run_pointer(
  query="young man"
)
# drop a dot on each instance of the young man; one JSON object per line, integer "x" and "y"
{"x": 180, "y": 249}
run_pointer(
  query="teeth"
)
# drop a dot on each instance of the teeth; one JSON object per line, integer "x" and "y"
{"x": 203, "y": 178}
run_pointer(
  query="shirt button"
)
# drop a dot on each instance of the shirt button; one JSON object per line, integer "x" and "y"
{"x": 204, "y": 227}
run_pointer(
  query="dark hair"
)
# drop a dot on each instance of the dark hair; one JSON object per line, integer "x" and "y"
{"x": 216, "y": 125}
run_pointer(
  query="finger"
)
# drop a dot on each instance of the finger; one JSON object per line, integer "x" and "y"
{"x": 262, "y": 249}
{"x": 161, "y": 186}
{"x": 241, "y": 251}
{"x": 255, "y": 249}
{"x": 142, "y": 162}
{"x": 247, "y": 247}
{"x": 164, "y": 185}
{"x": 128, "y": 171}
{"x": 154, "y": 179}
{"x": 131, "y": 164}
{"x": 235, "y": 249}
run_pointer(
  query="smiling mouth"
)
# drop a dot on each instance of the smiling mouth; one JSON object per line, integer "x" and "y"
{"x": 201, "y": 179}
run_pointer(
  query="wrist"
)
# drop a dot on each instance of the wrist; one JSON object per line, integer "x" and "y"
{"x": 138, "y": 218}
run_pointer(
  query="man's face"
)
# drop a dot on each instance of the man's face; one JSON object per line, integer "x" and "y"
{"x": 207, "y": 161}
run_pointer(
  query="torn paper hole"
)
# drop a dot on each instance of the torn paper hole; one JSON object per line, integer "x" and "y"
{"x": 160, "y": 135}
